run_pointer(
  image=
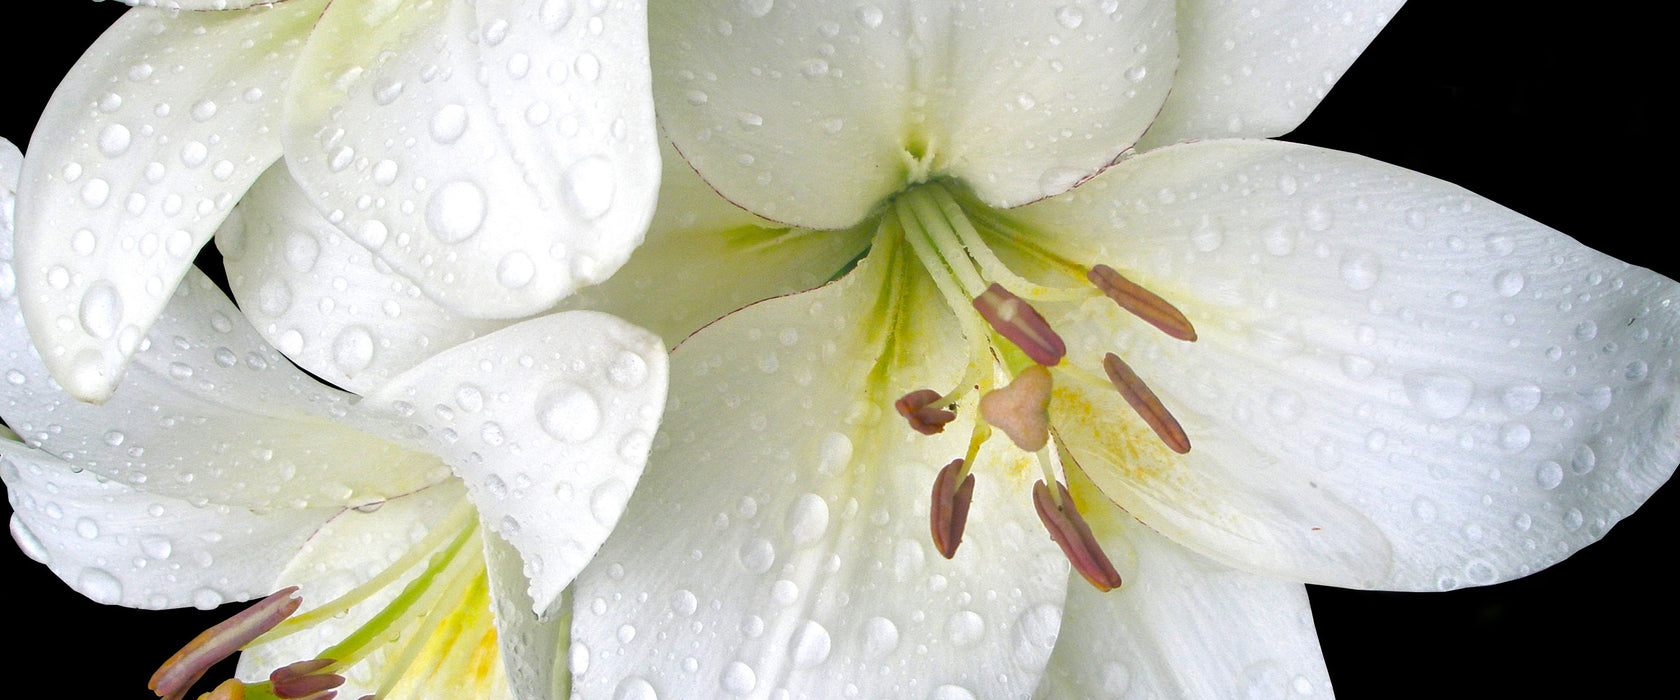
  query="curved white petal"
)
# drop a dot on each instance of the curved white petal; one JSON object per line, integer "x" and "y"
{"x": 812, "y": 113}
{"x": 532, "y": 646}
{"x": 705, "y": 257}
{"x": 1386, "y": 361}
{"x": 499, "y": 153}
{"x": 199, "y": 4}
{"x": 144, "y": 148}
{"x": 209, "y": 413}
{"x": 1181, "y": 626}
{"x": 548, "y": 421}
{"x": 324, "y": 301}
{"x": 779, "y": 543}
{"x": 359, "y": 546}
{"x": 120, "y": 545}
{"x": 1257, "y": 69}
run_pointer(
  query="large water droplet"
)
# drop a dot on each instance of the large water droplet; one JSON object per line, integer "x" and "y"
{"x": 590, "y": 185}
{"x": 808, "y": 519}
{"x": 811, "y": 645}
{"x": 570, "y": 413}
{"x": 1442, "y": 395}
{"x": 738, "y": 679}
{"x": 455, "y": 211}
{"x": 101, "y": 311}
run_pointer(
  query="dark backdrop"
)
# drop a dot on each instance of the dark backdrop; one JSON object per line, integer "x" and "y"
{"x": 1551, "y": 113}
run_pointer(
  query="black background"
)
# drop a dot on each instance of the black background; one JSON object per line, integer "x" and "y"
{"x": 1551, "y": 113}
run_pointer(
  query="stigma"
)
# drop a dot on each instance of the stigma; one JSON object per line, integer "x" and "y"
{"x": 1015, "y": 344}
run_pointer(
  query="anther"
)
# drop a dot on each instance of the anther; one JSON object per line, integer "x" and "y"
{"x": 1141, "y": 302}
{"x": 301, "y": 680}
{"x": 1067, "y": 527}
{"x": 949, "y": 514}
{"x": 212, "y": 645}
{"x": 1147, "y": 405}
{"x": 230, "y": 689}
{"x": 1021, "y": 410}
{"x": 917, "y": 408}
{"x": 1016, "y": 320}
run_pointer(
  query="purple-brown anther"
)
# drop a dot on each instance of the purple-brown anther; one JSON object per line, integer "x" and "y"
{"x": 1141, "y": 302}
{"x": 949, "y": 514}
{"x": 1022, "y": 409}
{"x": 1067, "y": 527}
{"x": 917, "y": 408}
{"x": 212, "y": 645}
{"x": 1016, "y": 320}
{"x": 302, "y": 680}
{"x": 1147, "y": 405}
{"x": 230, "y": 689}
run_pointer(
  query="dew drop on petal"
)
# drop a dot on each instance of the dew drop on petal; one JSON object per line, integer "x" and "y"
{"x": 101, "y": 310}
{"x": 569, "y": 413}
{"x": 456, "y": 211}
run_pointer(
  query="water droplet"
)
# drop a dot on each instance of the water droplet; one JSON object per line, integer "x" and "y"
{"x": 1549, "y": 475}
{"x": 811, "y": 645}
{"x": 590, "y": 185}
{"x": 156, "y": 546}
{"x": 99, "y": 586}
{"x": 101, "y": 310}
{"x": 880, "y": 638}
{"x": 448, "y": 123}
{"x": 607, "y": 502}
{"x": 1058, "y": 180}
{"x": 951, "y": 692}
{"x": 352, "y": 350}
{"x": 455, "y": 211}
{"x": 1509, "y": 283}
{"x": 570, "y": 413}
{"x": 1521, "y": 398}
{"x": 808, "y": 519}
{"x": 515, "y": 270}
{"x": 757, "y": 555}
{"x": 965, "y": 628}
{"x": 633, "y": 688}
{"x": 684, "y": 603}
{"x": 1070, "y": 16}
{"x": 114, "y": 140}
{"x": 738, "y": 679}
{"x": 554, "y": 14}
{"x": 1515, "y": 437}
{"x": 756, "y": 8}
{"x": 1360, "y": 270}
{"x": 627, "y": 370}
{"x": 1441, "y": 395}
{"x": 1584, "y": 460}
{"x": 206, "y": 599}
{"x": 1035, "y": 635}
{"x": 869, "y": 16}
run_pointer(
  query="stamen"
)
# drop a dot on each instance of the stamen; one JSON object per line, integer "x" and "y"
{"x": 1147, "y": 405}
{"x": 1141, "y": 302}
{"x": 1021, "y": 410}
{"x": 212, "y": 645}
{"x": 1018, "y": 321}
{"x": 918, "y": 407}
{"x": 1068, "y": 528}
{"x": 949, "y": 514}
{"x": 300, "y": 680}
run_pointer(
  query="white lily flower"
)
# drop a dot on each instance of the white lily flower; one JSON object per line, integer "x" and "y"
{"x": 430, "y": 525}
{"x": 498, "y": 153}
{"x": 1393, "y": 384}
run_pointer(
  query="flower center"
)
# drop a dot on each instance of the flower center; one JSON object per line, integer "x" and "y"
{"x": 437, "y": 624}
{"x": 1008, "y": 337}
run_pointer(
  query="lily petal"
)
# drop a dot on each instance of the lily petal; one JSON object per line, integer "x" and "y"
{"x": 887, "y": 93}
{"x": 1257, "y": 69}
{"x": 330, "y": 305}
{"x": 141, "y": 152}
{"x": 779, "y": 542}
{"x": 119, "y": 545}
{"x": 679, "y": 279}
{"x": 1391, "y": 370}
{"x": 1181, "y": 626}
{"x": 548, "y": 421}
{"x": 197, "y": 5}
{"x": 534, "y": 651}
{"x": 503, "y": 157}
{"x": 203, "y": 372}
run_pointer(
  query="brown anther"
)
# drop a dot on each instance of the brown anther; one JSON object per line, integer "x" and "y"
{"x": 300, "y": 680}
{"x": 1067, "y": 527}
{"x": 950, "y": 507}
{"x": 1016, "y": 320}
{"x": 1022, "y": 409}
{"x": 917, "y": 408}
{"x": 1147, "y": 405}
{"x": 1141, "y": 302}
{"x": 212, "y": 645}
